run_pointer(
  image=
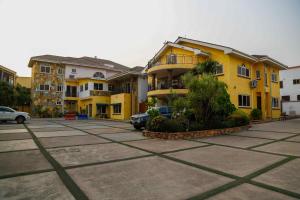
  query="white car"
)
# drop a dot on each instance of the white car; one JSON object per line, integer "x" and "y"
{"x": 9, "y": 114}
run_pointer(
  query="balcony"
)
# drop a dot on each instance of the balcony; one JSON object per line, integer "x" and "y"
{"x": 182, "y": 62}
{"x": 99, "y": 93}
{"x": 163, "y": 89}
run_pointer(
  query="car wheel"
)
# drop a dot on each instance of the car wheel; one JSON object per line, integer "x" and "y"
{"x": 137, "y": 127}
{"x": 20, "y": 119}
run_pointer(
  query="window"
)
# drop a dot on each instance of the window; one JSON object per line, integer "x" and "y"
{"x": 243, "y": 71}
{"x": 274, "y": 77}
{"x": 257, "y": 74}
{"x": 98, "y": 75}
{"x": 219, "y": 70}
{"x": 86, "y": 86}
{"x": 117, "y": 108}
{"x": 44, "y": 87}
{"x": 98, "y": 86}
{"x": 45, "y": 69}
{"x": 59, "y": 88}
{"x": 81, "y": 88}
{"x": 298, "y": 97}
{"x": 60, "y": 70}
{"x": 73, "y": 70}
{"x": 281, "y": 84}
{"x": 275, "y": 102}
{"x": 171, "y": 59}
{"x": 71, "y": 76}
{"x": 266, "y": 79}
{"x": 58, "y": 102}
{"x": 244, "y": 100}
{"x": 285, "y": 98}
{"x": 296, "y": 81}
{"x": 110, "y": 87}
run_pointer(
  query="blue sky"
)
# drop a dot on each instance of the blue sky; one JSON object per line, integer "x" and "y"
{"x": 131, "y": 32}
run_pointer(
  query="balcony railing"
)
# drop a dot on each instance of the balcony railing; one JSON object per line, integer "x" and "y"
{"x": 166, "y": 86}
{"x": 174, "y": 59}
{"x": 99, "y": 93}
{"x": 71, "y": 94}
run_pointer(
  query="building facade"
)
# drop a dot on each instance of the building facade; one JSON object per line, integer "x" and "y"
{"x": 252, "y": 80}
{"x": 85, "y": 85}
{"x": 290, "y": 90}
{"x": 7, "y": 75}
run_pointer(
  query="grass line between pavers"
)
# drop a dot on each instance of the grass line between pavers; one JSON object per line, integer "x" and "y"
{"x": 279, "y": 140}
{"x": 64, "y": 176}
{"x": 276, "y": 189}
{"x": 26, "y": 173}
{"x": 76, "y": 145}
{"x": 237, "y": 180}
{"x": 20, "y": 150}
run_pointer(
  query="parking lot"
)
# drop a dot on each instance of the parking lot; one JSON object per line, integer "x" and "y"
{"x": 97, "y": 159}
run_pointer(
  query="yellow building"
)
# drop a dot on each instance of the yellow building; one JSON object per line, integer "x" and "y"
{"x": 24, "y": 81}
{"x": 96, "y": 87}
{"x": 7, "y": 75}
{"x": 252, "y": 80}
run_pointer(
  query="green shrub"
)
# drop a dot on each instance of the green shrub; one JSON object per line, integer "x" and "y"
{"x": 157, "y": 123}
{"x": 256, "y": 114}
{"x": 195, "y": 126}
{"x": 237, "y": 118}
{"x": 153, "y": 113}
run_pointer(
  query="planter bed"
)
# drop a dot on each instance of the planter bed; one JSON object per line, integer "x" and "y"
{"x": 193, "y": 134}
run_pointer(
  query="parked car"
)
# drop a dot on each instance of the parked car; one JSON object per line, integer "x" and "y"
{"x": 139, "y": 120}
{"x": 9, "y": 114}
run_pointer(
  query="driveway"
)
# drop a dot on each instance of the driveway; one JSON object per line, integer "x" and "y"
{"x": 94, "y": 159}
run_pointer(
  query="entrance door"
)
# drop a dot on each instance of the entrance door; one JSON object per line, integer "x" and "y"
{"x": 258, "y": 102}
{"x": 90, "y": 110}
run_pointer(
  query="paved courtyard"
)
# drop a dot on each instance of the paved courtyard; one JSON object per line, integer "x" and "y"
{"x": 94, "y": 159}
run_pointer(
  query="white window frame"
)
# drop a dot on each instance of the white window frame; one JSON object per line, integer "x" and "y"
{"x": 59, "y": 88}
{"x": 243, "y": 71}
{"x": 73, "y": 71}
{"x": 275, "y": 102}
{"x": 257, "y": 72}
{"x": 60, "y": 71}
{"x": 45, "y": 67}
{"x": 98, "y": 86}
{"x": 71, "y": 76}
{"x": 119, "y": 110}
{"x": 244, "y": 104}
{"x": 274, "y": 77}
{"x": 81, "y": 88}
{"x": 39, "y": 89}
{"x": 218, "y": 71}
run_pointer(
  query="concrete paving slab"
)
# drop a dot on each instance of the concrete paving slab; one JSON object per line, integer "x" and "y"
{"x": 19, "y": 130}
{"x": 126, "y": 136}
{"x": 288, "y": 126}
{"x": 105, "y": 130}
{"x": 15, "y": 126}
{"x": 281, "y": 147}
{"x": 233, "y": 161}
{"x": 294, "y": 139}
{"x": 234, "y": 141}
{"x": 264, "y": 134}
{"x": 46, "y": 126}
{"x": 14, "y": 136}
{"x": 250, "y": 192}
{"x": 59, "y": 133}
{"x": 70, "y": 156}
{"x": 159, "y": 146}
{"x": 51, "y": 129}
{"x": 50, "y": 142}
{"x": 36, "y": 186}
{"x": 14, "y": 145}
{"x": 286, "y": 176}
{"x": 144, "y": 178}
{"x": 22, "y": 161}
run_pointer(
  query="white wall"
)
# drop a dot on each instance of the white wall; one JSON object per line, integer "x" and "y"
{"x": 290, "y": 89}
{"x": 86, "y": 93}
{"x": 86, "y": 72}
{"x": 142, "y": 89}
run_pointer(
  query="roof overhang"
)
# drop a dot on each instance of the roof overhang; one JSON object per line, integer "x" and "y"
{"x": 272, "y": 61}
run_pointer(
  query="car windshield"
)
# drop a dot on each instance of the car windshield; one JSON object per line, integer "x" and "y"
{"x": 6, "y": 109}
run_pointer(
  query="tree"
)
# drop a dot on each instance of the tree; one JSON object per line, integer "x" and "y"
{"x": 22, "y": 95}
{"x": 7, "y": 96}
{"x": 206, "y": 67}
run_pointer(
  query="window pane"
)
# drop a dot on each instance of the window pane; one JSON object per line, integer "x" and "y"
{"x": 239, "y": 70}
{"x": 298, "y": 97}
{"x": 240, "y": 100}
{"x": 248, "y": 100}
{"x": 247, "y": 72}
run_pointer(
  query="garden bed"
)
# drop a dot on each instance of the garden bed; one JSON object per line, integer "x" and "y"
{"x": 193, "y": 134}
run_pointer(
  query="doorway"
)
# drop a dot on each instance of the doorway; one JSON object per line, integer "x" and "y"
{"x": 258, "y": 102}
{"x": 90, "y": 110}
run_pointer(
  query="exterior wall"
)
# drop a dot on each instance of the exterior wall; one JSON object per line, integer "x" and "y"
{"x": 24, "y": 81}
{"x": 142, "y": 89}
{"x": 86, "y": 72}
{"x": 46, "y": 99}
{"x": 237, "y": 85}
{"x": 290, "y": 89}
{"x": 125, "y": 100}
{"x": 7, "y": 75}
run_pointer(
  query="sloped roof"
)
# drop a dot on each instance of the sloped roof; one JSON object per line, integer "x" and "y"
{"x": 7, "y": 69}
{"x": 82, "y": 61}
{"x": 138, "y": 70}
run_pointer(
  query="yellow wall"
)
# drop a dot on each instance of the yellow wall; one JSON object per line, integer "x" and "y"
{"x": 24, "y": 81}
{"x": 125, "y": 100}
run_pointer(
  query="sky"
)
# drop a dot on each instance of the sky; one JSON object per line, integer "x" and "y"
{"x": 130, "y": 32}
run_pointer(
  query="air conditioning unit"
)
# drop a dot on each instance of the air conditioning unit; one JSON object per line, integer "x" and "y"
{"x": 253, "y": 83}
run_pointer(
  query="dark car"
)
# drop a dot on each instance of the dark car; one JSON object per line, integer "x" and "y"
{"x": 139, "y": 120}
